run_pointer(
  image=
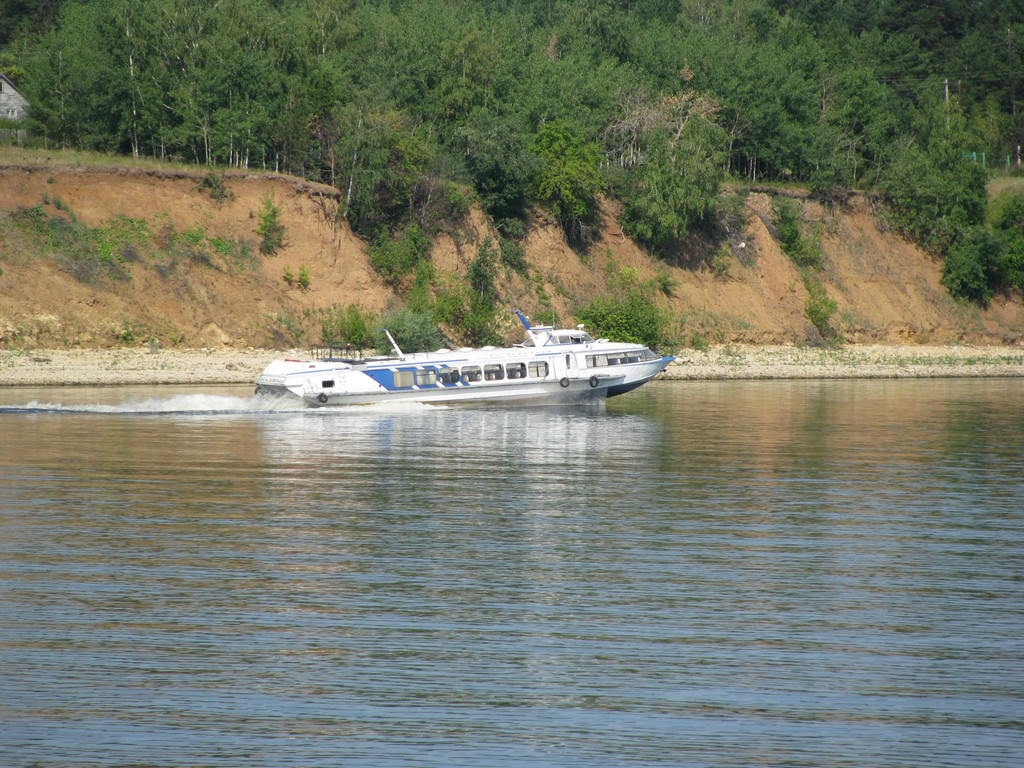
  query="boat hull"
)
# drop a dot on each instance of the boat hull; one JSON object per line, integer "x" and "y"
{"x": 304, "y": 386}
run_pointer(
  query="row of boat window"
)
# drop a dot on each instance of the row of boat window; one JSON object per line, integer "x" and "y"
{"x": 621, "y": 358}
{"x": 426, "y": 377}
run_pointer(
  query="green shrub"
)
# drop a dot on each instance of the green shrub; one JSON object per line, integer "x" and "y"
{"x": 804, "y": 251}
{"x": 1008, "y": 219}
{"x": 396, "y": 258}
{"x": 513, "y": 256}
{"x": 414, "y": 331}
{"x": 270, "y": 228}
{"x": 450, "y": 303}
{"x": 350, "y": 326}
{"x": 819, "y": 309}
{"x": 626, "y": 313}
{"x": 458, "y": 202}
{"x": 303, "y": 279}
{"x": 934, "y": 195}
{"x": 971, "y": 265}
{"x": 213, "y": 184}
{"x": 483, "y": 270}
{"x": 1011, "y": 266}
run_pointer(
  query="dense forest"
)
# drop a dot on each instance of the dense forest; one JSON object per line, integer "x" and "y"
{"x": 409, "y": 108}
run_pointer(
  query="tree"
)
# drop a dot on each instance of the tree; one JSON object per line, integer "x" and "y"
{"x": 970, "y": 267}
{"x": 499, "y": 162}
{"x": 672, "y": 150}
{"x": 568, "y": 180}
{"x": 936, "y": 194}
{"x": 270, "y": 229}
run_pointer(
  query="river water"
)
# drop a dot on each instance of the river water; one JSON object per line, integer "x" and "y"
{"x": 700, "y": 574}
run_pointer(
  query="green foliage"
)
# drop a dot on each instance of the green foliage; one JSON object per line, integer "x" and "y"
{"x": 567, "y": 180}
{"x": 349, "y": 326}
{"x": 88, "y": 255}
{"x": 288, "y": 276}
{"x": 450, "y": 303}
{"x": 457, "y": 201}
{"x": 676, "y": 184}
{"x": 936, "y": 194}
{"x": 500, "y": 163}
{"x": 478, "y": 323}
{"x": 396, "y": 104}
{"x": 483, "y": 270}
{"x": 1008, "y": 221}
{"x": 819, "y": 309}
{"x": 513, "y": 256}
{"x": 394, "y": 259}
{"x": 971, "y": 265}
{"x": 1007, "y": 212}
{"x": 627, "y": 313}
{"x": 805, "y": 91}
{"x": 1011, "y": 266}
{"x": 470, "y": 308}
{"x": 804, "y": 251}
{"x": 236, "y": 253}
{"x": 270, "y": 229}
{"x": 213, "y": 184}
{"x": 414, "y": 331}
{"x": 303, "y": 278}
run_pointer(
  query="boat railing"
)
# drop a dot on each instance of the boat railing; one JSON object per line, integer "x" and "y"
{"x": 339, "y": 352}
{"x": 336, "y": 352}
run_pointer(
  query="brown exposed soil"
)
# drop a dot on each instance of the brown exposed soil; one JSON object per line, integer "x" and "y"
{"x": 886, "y": 289}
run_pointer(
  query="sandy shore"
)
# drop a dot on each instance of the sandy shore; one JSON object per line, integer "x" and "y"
{"x": 852, "y": 362}
{"x": 227, "y": 366}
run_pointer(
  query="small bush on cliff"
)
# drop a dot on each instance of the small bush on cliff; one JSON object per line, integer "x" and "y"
{"x": 270, "y": 228}
{"x": 397, "y": 257}
{"x": 626, "y": 313}
{"x": 350, "y": 326}
{"x": 819, "y": 309}
{"x": 804, "y": 251}
{"x": 414, "y": 331}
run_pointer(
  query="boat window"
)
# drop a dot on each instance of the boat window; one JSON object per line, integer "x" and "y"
{"x": 449, "y": 375}
{"x": 471, "y": 373}
{"x": 516, "y": 370}
{"x": 539, "y": 369}
{"x": 405, "y": 378}
{"x": 494, "y": 372}
{"x": 327, "y": 383}
{"x": 563, "y": 340}
{"x": 426, "y": 377}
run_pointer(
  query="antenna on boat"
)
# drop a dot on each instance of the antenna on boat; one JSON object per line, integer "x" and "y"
{"x": 523, "y": 319}
{"x": 394, "y": 344}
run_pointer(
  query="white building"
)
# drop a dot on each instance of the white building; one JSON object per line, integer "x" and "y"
{"x": 13, "y": 105}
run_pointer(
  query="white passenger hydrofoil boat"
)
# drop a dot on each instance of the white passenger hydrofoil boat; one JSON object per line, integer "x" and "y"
{"x": 551, "y": 366}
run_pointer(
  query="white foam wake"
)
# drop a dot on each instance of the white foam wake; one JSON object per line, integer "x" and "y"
{"x": 200, "y": 404}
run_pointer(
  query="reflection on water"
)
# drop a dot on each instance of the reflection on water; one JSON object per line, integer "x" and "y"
{"x": 721, "y": 574}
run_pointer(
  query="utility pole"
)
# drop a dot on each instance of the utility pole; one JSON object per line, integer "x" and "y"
{"x": 945, "y": 85}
